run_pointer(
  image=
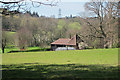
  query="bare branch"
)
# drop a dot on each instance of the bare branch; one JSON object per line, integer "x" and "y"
{"x": 11, "y": 2}
{"x": 22, "y": 5}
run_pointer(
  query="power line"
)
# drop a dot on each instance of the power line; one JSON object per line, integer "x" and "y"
{"x": 59, "y": 14}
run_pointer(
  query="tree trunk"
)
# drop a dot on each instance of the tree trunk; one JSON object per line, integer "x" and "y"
{"x": 3, "y": 50}
{"x": 101, "y": 42}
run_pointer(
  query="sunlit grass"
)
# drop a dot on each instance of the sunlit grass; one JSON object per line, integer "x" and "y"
{"x": 93, "y": 63}
{"x": 95, "y": 56}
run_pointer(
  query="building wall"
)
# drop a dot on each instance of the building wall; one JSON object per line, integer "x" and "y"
{"x": 62, "y": 47}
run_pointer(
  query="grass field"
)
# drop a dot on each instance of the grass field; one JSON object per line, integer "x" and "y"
{"x": 11, "y": 48}
{"x": 93, "y": 63}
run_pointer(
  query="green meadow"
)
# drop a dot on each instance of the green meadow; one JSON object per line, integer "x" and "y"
{"x": 91, "y": 63}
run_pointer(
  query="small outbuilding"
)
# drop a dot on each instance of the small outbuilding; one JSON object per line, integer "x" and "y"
{"x": 68, "y": 44}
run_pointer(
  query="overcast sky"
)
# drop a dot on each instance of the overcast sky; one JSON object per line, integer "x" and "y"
{"x": 52, "y": 0}
{"x": 66, "y": 0}
{"x": 74, "y": 0}
{"x": 67, "y": 9}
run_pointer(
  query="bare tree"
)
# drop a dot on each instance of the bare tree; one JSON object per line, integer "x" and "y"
{"x": 105, "y": 12}
{"x": 16, "y": 6}
{"x": 24, "y": 37}
{"x": 7, "y": 39}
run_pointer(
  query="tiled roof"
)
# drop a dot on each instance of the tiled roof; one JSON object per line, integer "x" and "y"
{"x": 61, "y": 41}
{"x": 64, "y": 41}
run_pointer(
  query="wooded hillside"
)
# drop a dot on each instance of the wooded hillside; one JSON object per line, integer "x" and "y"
{"x": 34, "y": 30}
